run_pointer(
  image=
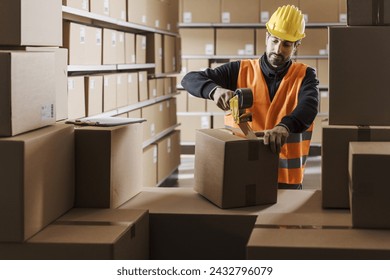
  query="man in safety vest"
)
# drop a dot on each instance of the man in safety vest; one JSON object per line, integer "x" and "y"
{"x": 285, "y": 93}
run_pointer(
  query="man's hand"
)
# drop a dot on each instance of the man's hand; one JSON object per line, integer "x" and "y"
{"x": 276, "y": 138}
{"x": 222, "y": 97}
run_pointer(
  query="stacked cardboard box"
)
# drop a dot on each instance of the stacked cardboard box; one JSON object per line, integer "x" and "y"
{"x": 355, "y": 115}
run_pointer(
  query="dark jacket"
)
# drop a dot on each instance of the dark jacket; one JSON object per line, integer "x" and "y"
{"x": 203, "y": 83}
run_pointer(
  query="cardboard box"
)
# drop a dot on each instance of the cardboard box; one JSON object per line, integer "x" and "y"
{"x": 248, "y": 174}
{"x": 323, "y": 72}
{"x": 155, "y": 51}
{"x": 334, "y": 166}
{"x": 315, "y": 42}
{"x": 100, "y": 7}
{"x": 140, "y": 51}
{"x": 172, "y": 111}
{"x": 160, "y": 84}
{"x": 76, "y": 97}
{"x": 87, "y": 234}
{"x": 31, "y": 23}
{"x": 84, "y": 44}
{"x": 27, "y": 91}
{"x": 118, "y": 9}
{"x": 247, "y": 11}
{"x": 113, "y": 47}
{"x": 169, "y": 50}
{"x": 321, "y": 11}
{"x": 168, "y": 158}
{"x": 233, "y": 41}
{"x": 181, "y": 101}
{"x": 260, "y": 41}
{"x": 132, "y": 88}
{"x": 139, "y": 12}
{"x": 197, "y": 41}
{"x": 143, "y": 85}
{"x": 93, "y": 95}
{"x": 77, "y": 4}
{"x": 168, "y": 86}
{"x": 121, "y": 90}
{"x": 149, "y": 163}
{"x": 190, "y": 123}
{"x": 268, "y": 7}
{"x": 37, "y": 180}
{"x": 152, "y": 88}
{"x": 195, "y": 11}
{"x": 129, "y": 48}
{"x": 157, "y": 119}
{"x": 109, "y": 92}
{"x": 108, "y": 172}
{"x": 371, "y": 12}
{"x": 368, "y": 184}
{"x": 349, "y": 84}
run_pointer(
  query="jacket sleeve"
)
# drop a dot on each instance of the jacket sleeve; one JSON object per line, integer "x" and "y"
{"x": 203, "y": 83}
{"x": 307, "y": 108}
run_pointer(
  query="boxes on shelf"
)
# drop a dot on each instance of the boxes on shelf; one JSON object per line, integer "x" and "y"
{"x": 31, "y": 23}
{"x": 113, "y": 46}
{"x": 37, "y": 180}
{"x": 140, "y": 49}
{"x": 76, "y": 97}
{"x": 195, "y": 11}
{"x": 129, "y": 48}
{"x": 77, "y": 4}
{"x": 168, "y": 159}
{"x": 197, "y": 41}
{"x": 190, "y": 123}
{"x": 315, "y": 42}
{"x": 118, "y": 9}
{"x": 121, "y": 90}
{"x": 109, "y": 92}
{"x": 182, "y": 101}
{"x": 139, "y": 12}
{"x": 321, "y": 11}
{"x": 368, "y": 185}
{"x": 108, "y": 172}
{"x": 27, "y": 91}
{"x": 232, "y": 41}
{"x": 100, "y": 7}
{"x": 247, "y": 175}
{"x": 132, "y": 88}
{"x": 149, "y": 163}
{"x": 152, "y": 88}
{"x": 357, "y": 94}
{"x": 246, "y": 11}
{"x": 93, "y": 95}
{"x": 154, "y": 52}
{"x": 369, "y": 12}
{"x": 169, "y": 57}
{"x": 334, "y": 168}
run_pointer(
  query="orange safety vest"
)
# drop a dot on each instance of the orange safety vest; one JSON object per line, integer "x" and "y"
{"x": 267, "y": 114}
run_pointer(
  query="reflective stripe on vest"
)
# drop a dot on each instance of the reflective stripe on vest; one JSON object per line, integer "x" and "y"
{"x": 267, "y": 114}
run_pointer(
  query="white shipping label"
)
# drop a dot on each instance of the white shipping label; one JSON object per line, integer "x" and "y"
{"x": 168, "y": 26}
{"x": 140, "y": 77}
{"x": 91, "y": 84}
{"x": 160, "y": 107}
{"x": 169, "y": 145}
{"x": 204, "y": 122}
{"x": 168, "y": 104}
{"x": 118, "y": 80}
{"x": 70, "y": 84}
{"x": 106, "y": 82}
{"x": 187, "y": 17}
{"x": 155, "y": 154}
{"x": 130, "y": 79}
{"x": 209, "y": 49}
{"x": 133, "y": 58}
{"x": 157, "y": 23}
{"x": 123, "y": 15}
{"x": 152, "y": 129}
{"x": 98, "y": 37}
{"x": 154, "y": 92}
{"x": 324, "y": 94}
{"x": 121, "y": 37}
{"x": 343, "y": 18}
{"x": 264, "y": 16}
{"x": 249, "y": 49}
{"x": 82, "y": 35}
{"x": 323, "y": 52}
{"x": 143, "y": 19}
{"x": 160, "y": 53}
{"x": 241, "y": 52}
{"x": 174, "y": 62}
{"x": 143, "y": 43}
{"x": 47, "y": 112}
{"x": 106, "y": 7}
{"x": 84, "y": 5}
{"x": 113, "y": 38}
{"x": 306, "y": 17}
{"x": 226, "y": 17}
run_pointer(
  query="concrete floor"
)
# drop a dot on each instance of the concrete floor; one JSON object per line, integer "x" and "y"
{"x": 184, "y": 176}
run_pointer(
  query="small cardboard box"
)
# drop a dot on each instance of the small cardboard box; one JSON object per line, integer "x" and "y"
{"x": 190, "y": 123}
{"x": 132, "y": 88}
{"x": 169, "y": 51}
{"x": 108, "y": 172}
{"x": 232, "y": 41}
{"x": 142, "y": 85}
{"x": 154, "y": 52}
{"x": 31, "y": 23}
{"x": 118, "y": 9}
{"x": 195, "y": 11}
{"x": 129, "y": 48}
{"x": 109, "y": 92}
{"x": 100, "y": 7}
{"x": 232, "y": 171}
{"x": 121, "y": 89}
{"x": 368, "y": 12}
{"x": 27, "y": 91}
{"x": 197, "y": 41}
{"x": 37, "y": 180}
{"x": 268, "y": 7}
{"x": 76, "y": 97}
{"x": 168, "y": 158}
{"x": 368, "y": 184}
{"x": 93, "y": 95}
{"x": 140, "y": 49}
{"x": 149, "y": 162}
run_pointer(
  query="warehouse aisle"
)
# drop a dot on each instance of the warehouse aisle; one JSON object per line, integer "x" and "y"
{"x": 184, "y": 176}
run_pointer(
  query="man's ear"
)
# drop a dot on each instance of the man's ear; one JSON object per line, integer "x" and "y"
{"x": 266, "y": 37}
{"x": 296, "y": 45}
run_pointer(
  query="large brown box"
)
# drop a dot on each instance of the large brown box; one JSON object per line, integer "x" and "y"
{"x": 93, "y": 95}
{"x": 154, "y": 52}
{"x": 87, "y": 234}
{"x": 168, "y": 159}
{"x": 108, "y": 172}
{"x": 27, "y": 91}
{"x": 334, "y": 167}
{"x": 100, "y": 7}
{"x": 197, "y": 41}
{"x": 140, "y": 12}
{"x": 231, "y": 171}
{"x": 268, "y": 7}
{"x": 129, "y": 48}
{"x": 315, "y": 42}
{"x": 169, "y": 57}
{"x": 37, "y": 180}
{"x": 322, "y": 11}
{"x": 368, "y": 184}
{"x": 109, "y": 92}
{"x": 149, "y": 163}
{"x": 195, "y": 11}
{"x": 31, "y": 22}
{"x": 76, "y": 97}
{"x": 233, "y": 41}
{"x": 368, "y": 12}
{"x": 349, "y": 84}
{"x": 245, "y": 11}
{"x": 77, "y": 4}
{"x": 140, "y": 49}
{"x": 118, "y": 9}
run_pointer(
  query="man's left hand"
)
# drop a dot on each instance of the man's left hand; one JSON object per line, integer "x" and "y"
{"x": 276, "y": 138}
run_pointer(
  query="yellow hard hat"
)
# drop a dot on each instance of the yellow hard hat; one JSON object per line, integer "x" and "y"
{"x": 287, "y": 23}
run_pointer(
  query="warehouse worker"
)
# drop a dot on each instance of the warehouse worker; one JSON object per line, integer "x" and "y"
{"x": 285, "y": 93}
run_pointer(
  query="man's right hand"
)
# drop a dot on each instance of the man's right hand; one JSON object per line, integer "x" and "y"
{"x": 221, "y": 98}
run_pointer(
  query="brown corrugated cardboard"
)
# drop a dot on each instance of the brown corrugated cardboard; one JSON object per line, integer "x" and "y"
{"x": 87, "y": 234}
{"x": 113, "y": 47}
{"x": 349, "y": 83}
{"x": 173, "y": 15}
{"x": 152, "y": 88}
{"x": 315, "y": 42}
{"x": 160, "y": 83}
{"x": 190, "y": 123}
{"x": 368, "y": 184}
{"x": 100, "y": 7}
{"x": 142, "y": 85}
{"x": 140, "y": 50}
{"x": 260, "y": 41}
{"x": 93, "y": 95}
{"x": 121, "y": 90}
{"x": 76, "y": 97}
{"x": 246, "y": 11}
{"x": 168, "y": 155}
{"x": 129, "y": 48}
{"x": 150, "y": 113}
{"x": 37, "y": 180}
{"x": 201, "y": 11}
{"x": 108, "y": 172}
{"x": 343, "y": 11}
{"x": 31, "y": 23}
{"x": 149, "y": 162}
{"x": 172, "y": 112}
{"x": 132, "y": 88}
{"x": 334, "y": 167}
{"x": 169, "y": 88}
{"x": 77, "y": 4}
{"x": 321, "y": 11}
{"x": 84, "y": 44}
{"x": 368, "y": 12}
{"x": 155, "y": 51}
{"x": 140, "y": 12}
{"x": 232, "y": 41}
{"x": 268, "y": 7}
{"x": 27, "y": 91}
{"x": 169, "y": 57}
{"x": 196, "y": 104}
{"x": 118, "y": 9}
{"x": 120, "y": 48}
{"x": 246, "y": 176}
{"x": 182, "y": 101}
{"x": 197, "y": 41}
{"x": 109, "y": 92}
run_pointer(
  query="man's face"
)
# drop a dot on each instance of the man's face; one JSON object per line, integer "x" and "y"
{"x": 279, "y": 51}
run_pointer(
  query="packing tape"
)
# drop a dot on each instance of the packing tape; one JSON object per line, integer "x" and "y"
{"x": 378, "y": 12}
{"x": 265, "y": 226}
{"x": 364, "y": 133}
